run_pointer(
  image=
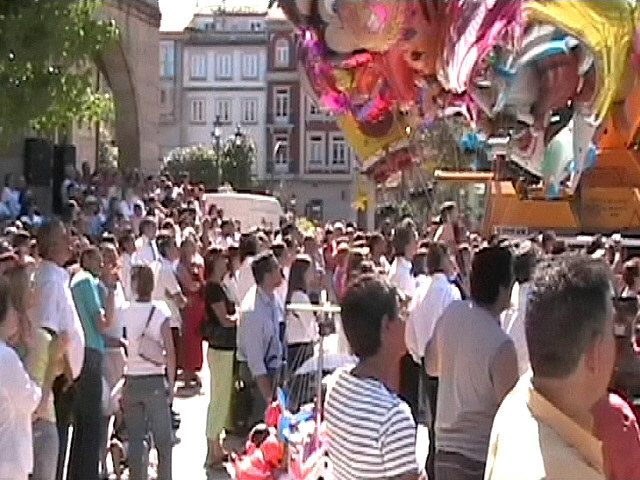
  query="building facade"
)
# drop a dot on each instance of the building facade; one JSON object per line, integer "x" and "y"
{"x": 214, "y": 71}
{"x": 309, "y": 159}
{"x": 242, "y": 67}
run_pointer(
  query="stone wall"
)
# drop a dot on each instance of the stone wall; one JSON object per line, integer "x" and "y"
{"x": 131, "y": 69}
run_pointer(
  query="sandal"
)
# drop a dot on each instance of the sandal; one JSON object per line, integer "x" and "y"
{"x": 216, "y": 462}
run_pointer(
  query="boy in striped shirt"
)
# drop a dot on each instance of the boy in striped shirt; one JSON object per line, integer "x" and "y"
{"x": 371, "y": 431}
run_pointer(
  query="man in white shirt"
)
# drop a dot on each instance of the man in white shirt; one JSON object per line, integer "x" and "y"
{"x": 431, "y": 300}
{"x": 55, "y": 310}
{"x": 285, "y": 254}
{"x": 405, "y": 242}
{"x": 146, "y": 249}
{"x": 166, "y": 287}
{"x": 544, "y": 427}
{"x": 248, "y": 250}
{"x": 513, "y": 319}
{"x": 128, "y": 249}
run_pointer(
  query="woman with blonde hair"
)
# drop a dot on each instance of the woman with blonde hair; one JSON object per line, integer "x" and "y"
{"x": 42, "y": 355}
{"x": 19, "y": 396}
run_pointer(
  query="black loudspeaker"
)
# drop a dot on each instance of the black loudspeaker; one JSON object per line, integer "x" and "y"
{"x": 38, "y": 162}
{"x": 63, "y": 155}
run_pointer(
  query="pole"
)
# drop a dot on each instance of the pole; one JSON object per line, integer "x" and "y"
{"x": 216, "y": 134}
{"x": 218, "y": 174}
{"x": 325, "y": 312}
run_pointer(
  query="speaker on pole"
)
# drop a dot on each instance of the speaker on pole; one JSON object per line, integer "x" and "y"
{"x": 63, "y": 156}
{"x": 38, "y": 162}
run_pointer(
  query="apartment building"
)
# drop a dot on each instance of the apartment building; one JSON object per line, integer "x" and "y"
{"x": 212, "y": 73}
{"x": 241, "y": 66}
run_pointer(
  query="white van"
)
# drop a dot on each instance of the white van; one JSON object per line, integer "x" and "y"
{"x": 249, "y": 209}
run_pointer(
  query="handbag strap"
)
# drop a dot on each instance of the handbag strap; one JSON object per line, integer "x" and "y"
{"x": 146, "y": 326}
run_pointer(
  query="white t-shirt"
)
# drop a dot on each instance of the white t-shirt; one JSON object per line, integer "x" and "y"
{"x": 56, "y": 310}
{"x": 513, "y": 323}
{"x": 133, "y": 316}
{"x": 19, "y": 397}
{"x": 400, "y": 276}
{"x": 116, "y": 330}
{"x": 146, "y": 252}
{"x": 245, "y": 278}
{"x": 126, "y": 275}
{"x": 231, "y": 284}
{"x": 430, "y": 301}
{"x": 370, "y": 429}
{"x": 301, "y": 326}
{"x": 166, "y": 282}
{"x": 281, "y": 291}
{"x": 126, "y": 208}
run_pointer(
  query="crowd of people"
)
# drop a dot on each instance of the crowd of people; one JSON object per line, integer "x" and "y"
{"x": 522, "y": 360}
{"x": 504, "y": 350}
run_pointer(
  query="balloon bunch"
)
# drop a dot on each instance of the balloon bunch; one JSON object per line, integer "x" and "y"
{"x": 264, "y": 455}
{"x": 520, "y": 71}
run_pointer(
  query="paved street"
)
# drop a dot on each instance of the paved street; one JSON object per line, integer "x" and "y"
{"x": 189, "y": 455}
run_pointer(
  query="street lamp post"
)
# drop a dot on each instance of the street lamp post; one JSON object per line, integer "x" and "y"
{"x": 216, "y": 134}
{"x": 239, "y": 136}
{"x": 238, "y": 140}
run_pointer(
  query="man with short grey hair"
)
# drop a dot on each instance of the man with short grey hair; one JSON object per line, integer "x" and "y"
{"x": 260, "y": 349}
{"x": 55, "y": 310}
{"x": 543, "y": 429}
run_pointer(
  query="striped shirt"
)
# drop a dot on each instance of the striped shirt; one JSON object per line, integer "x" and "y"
{"x": 371, "y": 431}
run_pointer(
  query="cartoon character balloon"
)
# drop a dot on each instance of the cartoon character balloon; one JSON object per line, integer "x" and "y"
{"x": 541, "y": 74}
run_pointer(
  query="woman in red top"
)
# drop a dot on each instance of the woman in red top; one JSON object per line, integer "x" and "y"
{"x": 191, "y": 278}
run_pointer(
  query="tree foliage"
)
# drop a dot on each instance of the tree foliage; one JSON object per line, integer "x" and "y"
{"x": 198, "y": 160}
{"x": 439, "y": 145}
{"x": 237, "y": 157}
{"x": 47, "y": 48}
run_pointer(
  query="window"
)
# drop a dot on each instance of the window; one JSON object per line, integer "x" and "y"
{"x": 316, "y": 158}
{"x": 224, "y": 66}
{"x": 250, "y": 65}
{"x": 163, "y": 96}
{"x": 223, "y": 110}
{"x": 339, "y": 153}
{"x": 198, "y": 112}
{"x": 198, "y": 66}
{"x": 280, "y": 153}
{"x": 249, "y": 110}
{"x": 313, "y": 110}
{"x": 282, "y": 52}
{"x": 167, "y": 56}
{"x": 282, "y": 105}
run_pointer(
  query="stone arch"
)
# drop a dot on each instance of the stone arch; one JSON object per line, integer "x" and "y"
{"x": 131, "y": 68}
{"x": 114, "y": 66}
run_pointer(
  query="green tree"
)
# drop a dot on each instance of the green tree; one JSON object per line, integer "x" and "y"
{"x": 47, "y": 48}
{"x": 199, "y": 161}
{"x": 236, "y": 160}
